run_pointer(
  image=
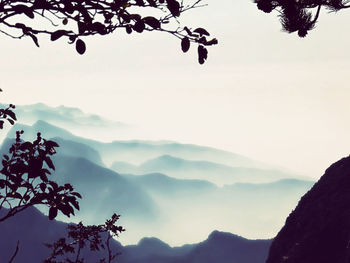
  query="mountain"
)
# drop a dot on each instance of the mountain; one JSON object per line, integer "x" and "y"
{"x": 104, "y": 191}
{"x": 66, "y": 148}
{"x": 318, "y": 230}
{"x": 189, "y": 208}
{"x": 204, "y": 170}
{"x": 33, "y": 229}
{"x": 137, "y": 152}
{"x": 162, "y": 185}
{"x": 67, "y": 117}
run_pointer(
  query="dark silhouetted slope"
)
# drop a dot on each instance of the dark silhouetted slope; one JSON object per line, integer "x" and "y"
{"x": 318, "y": 230}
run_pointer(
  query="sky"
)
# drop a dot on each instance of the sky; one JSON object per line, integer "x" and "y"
{"x": 262, "y": 93}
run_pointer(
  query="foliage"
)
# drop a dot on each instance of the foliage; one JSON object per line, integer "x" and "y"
{"x": 24, "y": 177}
{"x": 95, "y": 237}
{"x": 77, "y": 19}
{"x": 300, "y": 15}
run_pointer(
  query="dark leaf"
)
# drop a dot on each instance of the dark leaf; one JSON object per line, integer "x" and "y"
{"x": 75, "y": 204}
{"x": 139, "y": 26}
{"x": 152, "y": 21}
{"x": 51, "y": 144}
{"x": 152, "y": 3}
{"x": 76, "y": 194}
{"x": 128, "y": 29}
{"x": 26, "y": 146}
{"x": 174, "y": 7}
{"x": 24, "y": 9}
{"x": 52, "y": 213}
{"x": 11, "y": 121}
{"x": 43, "y": 177}
{"x": 54, "y": 185}
{"x": 140, "y": 2}
{"x": 49, "y": 163}
{"x": 46, "y": 171}
{"x": 80, "y": 46}
{"x": 11, "y": 114}
{"x": 42, "y": 187}
{"x": 202, "y": 54}
{"x": 57, "y": 34}
{"x": 35, "y": 39}
{"x": 201, "y": 31}
{"x": 81, "y": 27}
{"x": 185, "y": 44}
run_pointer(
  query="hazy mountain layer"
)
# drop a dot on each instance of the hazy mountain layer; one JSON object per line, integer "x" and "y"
{"x": 32, "y": 230}
{"x": 190, "y": 208}
{"x": 219, "y": 174}
{"x": 177, "y": 211}
{"x": 137, "y": 152}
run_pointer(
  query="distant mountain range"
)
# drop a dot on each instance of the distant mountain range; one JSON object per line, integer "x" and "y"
{"x": 32, "y": 230}
{"x": 62, "y": 116}
{"x": 176, "y": 192}
{"x": 214, "y": 172}
{"x": 137, "y": 152}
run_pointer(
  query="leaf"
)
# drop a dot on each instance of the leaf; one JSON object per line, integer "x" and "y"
{"x": 51, "y": 144}
{"x": 57, "y": 34}
{"x": 185, "y": 44}
{"x": 202, "y": 54}
{"x": 42, "y": 187}
{"x": 152, "y": 22}
{"x": 26, "y": 146}
{"x": 35, "y": 39}
{"x": 24, "y": 9}
{"x": 46, "y": 171}
{"x": 140, "y": 2}
{"x": 52, "y": 213}
{"x": 54, "y": 185}
{"x": 152, "y": 3}
{"x": 76, "y": 194}
{"x": 99, "y": 27}
{"x": 80, "y": 46}
{"x": 139, "y": 26}
{"x": 11, "y": 114}
{"x": 201, "y": 31}
{"x": 214, "y": 41}
{"x": 174, "y": 7}
{"x": 75, "y": 204}
{"x": 81, "y": 27}
{"x": 43, "y": 177}
{"x": 49, "y": 162}
{"x": 128, "y": 29}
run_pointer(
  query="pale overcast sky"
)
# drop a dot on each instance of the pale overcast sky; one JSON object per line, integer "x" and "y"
{"x": 262, "y": 93}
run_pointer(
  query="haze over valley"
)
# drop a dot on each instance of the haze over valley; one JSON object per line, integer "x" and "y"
{"x": 179, "y": 193}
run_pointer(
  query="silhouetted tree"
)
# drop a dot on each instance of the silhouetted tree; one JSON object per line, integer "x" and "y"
{"x": 77, "y": 19}
{"x": 24, "y": 177}
{"x": 96, "y": 237}
{"x": 300, "y": 15}
{"x": 24, "y": 180}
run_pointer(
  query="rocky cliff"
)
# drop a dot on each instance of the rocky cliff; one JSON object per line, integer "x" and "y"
{"x": 318, "y": 230}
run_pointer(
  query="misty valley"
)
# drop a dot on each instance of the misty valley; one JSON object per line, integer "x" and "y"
{"x": 177, "y": 201}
